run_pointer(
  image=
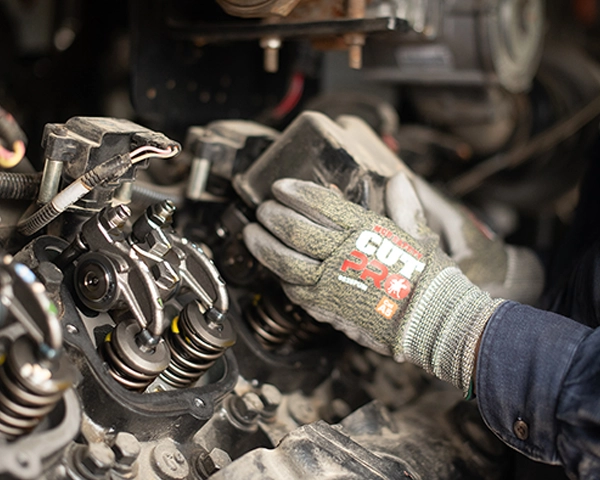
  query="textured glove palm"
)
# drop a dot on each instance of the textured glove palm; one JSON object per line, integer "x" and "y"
{"x": 360, "y": 272}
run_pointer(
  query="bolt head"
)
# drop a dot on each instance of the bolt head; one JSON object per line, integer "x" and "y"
{"x": 126, "y": 448}
{"x": 249, "y": 406}
{"x": 270, "y": 394}
{"x": 214, "y": 461}
{"x": 271, "y": 398}
{"x": 98, "y": 458}
{"x": 301, "y": 409}
{"x": 50, "y": 275}
{"x": 72, "y": 329}
{"x": 169, "y": 462}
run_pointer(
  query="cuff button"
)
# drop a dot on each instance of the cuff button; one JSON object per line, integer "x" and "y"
{"x": 521, "y": 429}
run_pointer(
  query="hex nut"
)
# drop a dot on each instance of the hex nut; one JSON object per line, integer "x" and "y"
{"x": 115, "y": 218}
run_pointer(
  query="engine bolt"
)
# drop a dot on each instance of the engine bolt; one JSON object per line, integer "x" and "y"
{"x": 169, "y": 462}
{"x": 213, "y": 461}
{"x": 97, "y": 459}
{"x": 126, "y": 449}
{"x": 116, "y": 218}
{"x": 247, "y": 408}
{"x": 271, "y": 398}
{"x": 271, "y": 47}
{"x": 162, "y": 212}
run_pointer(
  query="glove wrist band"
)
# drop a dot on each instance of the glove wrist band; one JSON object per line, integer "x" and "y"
{"x": 444, "y": 326}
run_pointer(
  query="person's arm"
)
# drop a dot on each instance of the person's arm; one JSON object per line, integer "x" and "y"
{"x": 538, "y": 386}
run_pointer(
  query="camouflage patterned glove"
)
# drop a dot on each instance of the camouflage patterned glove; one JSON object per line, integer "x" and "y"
{"x": 502, "y": 270}
{"x": 368, "y": 278}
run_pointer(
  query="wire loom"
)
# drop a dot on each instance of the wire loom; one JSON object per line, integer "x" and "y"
{"x": 110, "y": 170}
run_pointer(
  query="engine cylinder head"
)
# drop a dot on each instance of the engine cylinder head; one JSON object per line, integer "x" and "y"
{"x": 30, "y": 387}
{"x": 196, "y": 343}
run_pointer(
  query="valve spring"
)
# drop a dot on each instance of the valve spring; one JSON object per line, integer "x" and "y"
{"x": 121, "y": 372}
{"x": 195, "y": 344}
{"x": 272, "y": 328}
{"x": 132, "y": 365}
{"x": 29, "y": 389}
{"x": 277, "y": 323}
{"x": 309, "y": 331}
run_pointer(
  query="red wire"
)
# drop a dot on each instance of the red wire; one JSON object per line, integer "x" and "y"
{"x": 291, "y": 99}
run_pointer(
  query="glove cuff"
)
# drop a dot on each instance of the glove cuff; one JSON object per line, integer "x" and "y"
{"x": 444, "y": 327}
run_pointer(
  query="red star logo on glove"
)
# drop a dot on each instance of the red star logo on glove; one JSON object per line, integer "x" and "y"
{"x": 396, "y": 286}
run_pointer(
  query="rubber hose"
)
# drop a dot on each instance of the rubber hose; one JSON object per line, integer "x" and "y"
{"x": 144, "y": 195}
{"x": 19, "y": 186}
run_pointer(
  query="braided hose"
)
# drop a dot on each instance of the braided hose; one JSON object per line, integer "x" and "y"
{"x": 111, "y": 169}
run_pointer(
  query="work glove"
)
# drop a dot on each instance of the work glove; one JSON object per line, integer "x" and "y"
{"x": 503, "y": 270}
{"x": 391, "y": 289}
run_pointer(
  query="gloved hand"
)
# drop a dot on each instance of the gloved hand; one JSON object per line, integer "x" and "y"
{"x": 502, "y": 270}
{"x": 389, "y": 289}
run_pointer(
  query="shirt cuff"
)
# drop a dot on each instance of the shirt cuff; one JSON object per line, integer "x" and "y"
{"x": 524, "y": 356}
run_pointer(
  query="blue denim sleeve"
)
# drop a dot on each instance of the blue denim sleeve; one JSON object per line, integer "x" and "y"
{"x": 538, "y": 386}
